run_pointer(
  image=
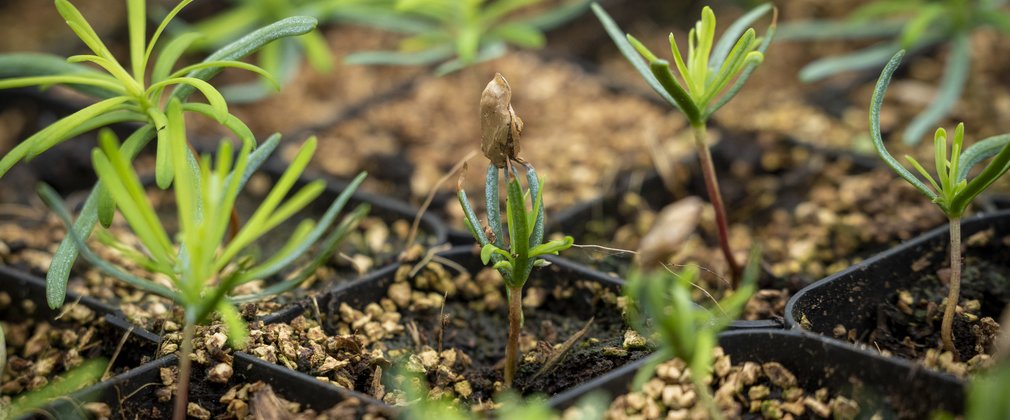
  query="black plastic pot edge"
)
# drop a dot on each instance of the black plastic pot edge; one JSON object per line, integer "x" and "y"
{"x": 734, "y": 326}
{"x": 288, "y": 384}
{"x": 292, "y": 311}
{"x": 810, "y": 355}
{"x": 872, "y": 277}
{"x": 385, "y": 275}
{"x": 300, "y": 387}
{"x": 69, "y": 407}
{"x": 34, "y": 288}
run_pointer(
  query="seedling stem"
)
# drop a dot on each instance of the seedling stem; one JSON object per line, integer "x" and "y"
{"x": 712, "y": 187}
{"x": 953, "y": 295}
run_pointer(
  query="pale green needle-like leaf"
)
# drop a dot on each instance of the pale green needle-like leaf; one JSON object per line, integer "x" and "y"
{"x": 52, "y": 199}
{"x": 246, "y": 45}
{"x": 940, "y": 157}
{"x": 273, "y": 199}
{"x": 925, "y": 174}
{"x": 398, "y": 58}
{"x": 59, "y": 131}
{"x": 629, "y": 52}
{"x": 136, "y": 19}
{"x": 84, "y": 80}
{"x": 294, "y": 204}
{"x": 238, "y": 333}
{"x": 127, "y": 82}
{"x": 329, "y": 247}
{"x": 552, "y": 247}
{"x": 217, "y": 102}
{"x": 63, "y": 260}
{"x": 228, "y": 64}
{"x": 122, "y": 182}
{"x": 878, "y": 142}
{"x": 231, "y": 122}
{"x": 955, "y": 76}
{"x": 978, "y": 152}
{"x": 170, "y": 54}
{"x": 161, "y": 28}
{"x": 82, "y": 28}
{"x": 317, "y": 50}
{"x": 519, "y": 34}
{"x": 733, "y": 32}
{"x": 867, "y": 58}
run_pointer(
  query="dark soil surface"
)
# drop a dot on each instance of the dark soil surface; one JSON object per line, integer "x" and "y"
{"x": 230, "y": 398}
{"x": 908, "y": 324}
{"x": 39, "y": 351}
{"x": 814, "y": 214}
{"x": 452, "y": 329}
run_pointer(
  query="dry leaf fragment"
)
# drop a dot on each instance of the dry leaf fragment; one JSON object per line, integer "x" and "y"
{"x": 675, "y": 223}
{"x": 499, "y": 125}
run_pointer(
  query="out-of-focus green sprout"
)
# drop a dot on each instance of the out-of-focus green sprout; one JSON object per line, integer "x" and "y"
{"x": 661, "y": 304}
{"x": 460, "y": 33}
{"x": 911, "y": 25}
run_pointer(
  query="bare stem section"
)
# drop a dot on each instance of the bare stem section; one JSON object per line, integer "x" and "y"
{"x": 712, "y": 185}
{"x": 946, "y": 327}
{"x": 515, "y": 301}
{"x": 185, "y": 360}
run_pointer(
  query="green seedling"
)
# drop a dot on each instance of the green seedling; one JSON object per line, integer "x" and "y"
{"x": 460, "y": 33}
{"x": 710, "y": 76}
{"x": 128, "y": 93}
{"x": 281, "y": 58}
{"x": 203, "y": 267}
{"x": 501, "y": 129}
{"x": 906, "y": 24}
{"x": 515, "y": 259}
{"x": 661, "y": 303}
{"x": 954, "y": 191}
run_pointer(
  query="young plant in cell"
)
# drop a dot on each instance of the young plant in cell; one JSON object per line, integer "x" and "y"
{"x": 661, "y": 304}
{"x": 516, "y": 258}
{"x": 282, "y": 58}
{"x": 906, "y": 24}
{"x": 709, "y": 77}
{"x": 203, "y": 265}
{"x": 951, "y": 190}
{"x": 460, "y": 33}
{"x": 128, "y": 93}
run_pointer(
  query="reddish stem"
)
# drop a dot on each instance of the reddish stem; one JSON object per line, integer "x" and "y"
{"x": 712, "y": 185}
{"x": 182, "y": 390}
{"x": 515, "y": 306}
